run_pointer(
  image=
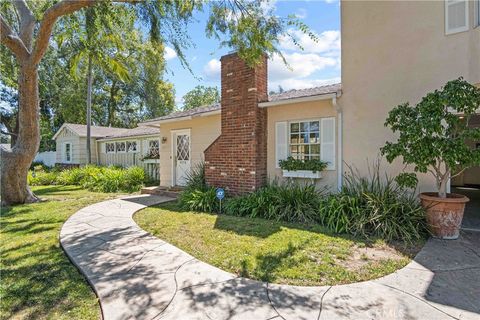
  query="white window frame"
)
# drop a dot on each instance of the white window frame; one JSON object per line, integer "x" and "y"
{"x": 120, "y": 151}
{"x": 461, "y": 29}
{"x": 106, "y": 148}
{"x": 127, "y": 146}
{"x": 289, "y": 135}
{"x": 65, "y": 152}
{"x": 476, "y": 7}
{"x": 331, "y": 166}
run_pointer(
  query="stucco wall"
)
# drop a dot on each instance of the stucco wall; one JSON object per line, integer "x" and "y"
{"x": 203, "y": 131}
{"x": 296, "y": 112}
{"x": 394, "y": 52}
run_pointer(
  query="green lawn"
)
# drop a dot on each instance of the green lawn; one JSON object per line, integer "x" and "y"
{"x": 273, "y": 251}
{"x": 37, "y": 279}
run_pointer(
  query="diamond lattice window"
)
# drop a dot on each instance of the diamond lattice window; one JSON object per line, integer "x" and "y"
{"x": 183, "y": 148}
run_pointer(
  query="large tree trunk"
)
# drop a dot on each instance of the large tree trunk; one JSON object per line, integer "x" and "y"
{"x": 15, "y": 163}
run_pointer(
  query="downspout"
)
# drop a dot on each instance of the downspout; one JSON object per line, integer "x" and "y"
{"x": 340, "y": 140}
{"x": 96, "y": 152}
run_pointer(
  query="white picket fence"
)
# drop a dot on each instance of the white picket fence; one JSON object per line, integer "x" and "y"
{"x": 48, "y": 158}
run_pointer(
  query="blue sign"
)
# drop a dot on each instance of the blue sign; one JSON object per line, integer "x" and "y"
{"x": 220, "y": 193}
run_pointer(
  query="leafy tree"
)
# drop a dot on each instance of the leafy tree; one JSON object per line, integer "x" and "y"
{"x": 432, "y": 136}
{"x": 200, "y": 96}
{"x": 27, "y": 28}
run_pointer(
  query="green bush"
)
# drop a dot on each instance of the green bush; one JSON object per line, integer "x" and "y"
{"x": 94, "y": 178}
{"x": 292, "y": 202}
{"x": 197, "y": 195}
{"x": 203, "y": 200}
{"x": 292, "y": 164}
{"x": 41, "y": 178}
{"x": 374, "y": 206}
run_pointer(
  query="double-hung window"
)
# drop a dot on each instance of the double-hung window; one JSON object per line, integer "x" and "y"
{"x": 456, "y": 16}
{"x": 306, "y": 139}
{"x": 67, "y": 156}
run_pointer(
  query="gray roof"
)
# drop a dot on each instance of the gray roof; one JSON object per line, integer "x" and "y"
{"x": 104, "y": 132}
{"x": 290, "y": 94}
{"x": 135, "y": 132}
{"x": 188, "y": 113}
{"x": 302, "y": 93}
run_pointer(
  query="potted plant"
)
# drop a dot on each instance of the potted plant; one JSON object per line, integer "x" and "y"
{"x": 295, "y": 168}
{"x": 152, "y": 156}
{"x": 432, "y": 139}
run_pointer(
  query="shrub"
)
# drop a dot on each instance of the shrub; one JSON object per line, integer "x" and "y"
{"x": 292, "y": 202}
{"x": 292, "y": 164}
{"x": 374, "y": 206}
{"x": 41, "y": 178}
{"x": 197, "y": 195}
{"x": 94, "y": 178}
{"x": 203, "y": 200}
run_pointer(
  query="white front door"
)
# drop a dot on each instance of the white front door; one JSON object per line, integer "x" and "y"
{"x": 182, "y": 157}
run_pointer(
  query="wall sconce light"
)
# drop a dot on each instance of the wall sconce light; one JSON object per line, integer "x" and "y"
{"x": 164, "y": 140}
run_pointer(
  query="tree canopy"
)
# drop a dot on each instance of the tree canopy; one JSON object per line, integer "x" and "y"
{"x": 200, "y": 96}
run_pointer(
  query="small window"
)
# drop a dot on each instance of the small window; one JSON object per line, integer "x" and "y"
{"x": 68, "y": 152}
{"x": 132, "y": 146}
{"x": 456, "y": 16}
{"x": 305, "y": 140}
{"x": 120, "y": 146}
{"x": 110, "y": 147}
{"x": 153, "y": 148}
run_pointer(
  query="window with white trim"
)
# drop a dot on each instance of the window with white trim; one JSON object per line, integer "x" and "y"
{"x": 307, "y": 139}
{"x": 68, "y": 152}
{"x": 110, "y": 147}
{"x": 132, "y": 146}
{"x": 456, "y": 16}
{"x": 120, "y": 146}
{"x": 304, "y": 140}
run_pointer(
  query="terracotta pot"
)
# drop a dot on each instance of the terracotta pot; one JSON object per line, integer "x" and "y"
{"x": 444, "y": 215}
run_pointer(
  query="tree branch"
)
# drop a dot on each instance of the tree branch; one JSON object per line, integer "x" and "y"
{"x": 10, "y": 39}
{"x": 27, "y": 23}
{"x": 49, "y": 18}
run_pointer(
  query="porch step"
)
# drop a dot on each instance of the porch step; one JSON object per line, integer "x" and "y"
{"x": 173, "y": 192}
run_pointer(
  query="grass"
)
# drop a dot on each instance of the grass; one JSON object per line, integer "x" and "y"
{"x": 279, "y": 252}
{"x": 37, "y": 279}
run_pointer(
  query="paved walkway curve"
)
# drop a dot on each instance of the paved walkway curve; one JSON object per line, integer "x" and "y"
{"x": 138, "y": 276}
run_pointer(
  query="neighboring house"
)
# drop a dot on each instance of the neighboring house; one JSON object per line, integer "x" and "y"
{"x": 392, "y": 52}
{"x": 109, "y": 146}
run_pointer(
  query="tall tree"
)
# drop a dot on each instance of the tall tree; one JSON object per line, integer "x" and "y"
{"x": 240, "y": 24}
{"x": 200, "y": 96}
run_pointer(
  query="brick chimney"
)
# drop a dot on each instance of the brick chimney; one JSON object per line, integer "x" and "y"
{"x": 237, "y": 159}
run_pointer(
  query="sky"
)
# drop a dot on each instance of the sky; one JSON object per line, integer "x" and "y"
{"x": 317, "y": 64}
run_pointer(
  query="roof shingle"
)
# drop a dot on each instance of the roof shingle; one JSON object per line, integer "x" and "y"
{"x": 290, "y": 94}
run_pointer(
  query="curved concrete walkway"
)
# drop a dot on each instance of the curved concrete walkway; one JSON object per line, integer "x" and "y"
{"x": 138, "y": 276}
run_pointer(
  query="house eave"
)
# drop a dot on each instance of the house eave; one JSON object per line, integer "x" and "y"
{"x": 319, "y": 97}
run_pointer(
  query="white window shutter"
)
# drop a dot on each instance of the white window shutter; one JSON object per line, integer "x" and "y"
{"x": 327, "y": 143}
{"x": 281, "y": 142}
{"x": 456, "y": 16}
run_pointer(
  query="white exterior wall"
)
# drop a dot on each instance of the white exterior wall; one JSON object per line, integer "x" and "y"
{"x": 68, "y": 136}
{"x": 128, "y": 159}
